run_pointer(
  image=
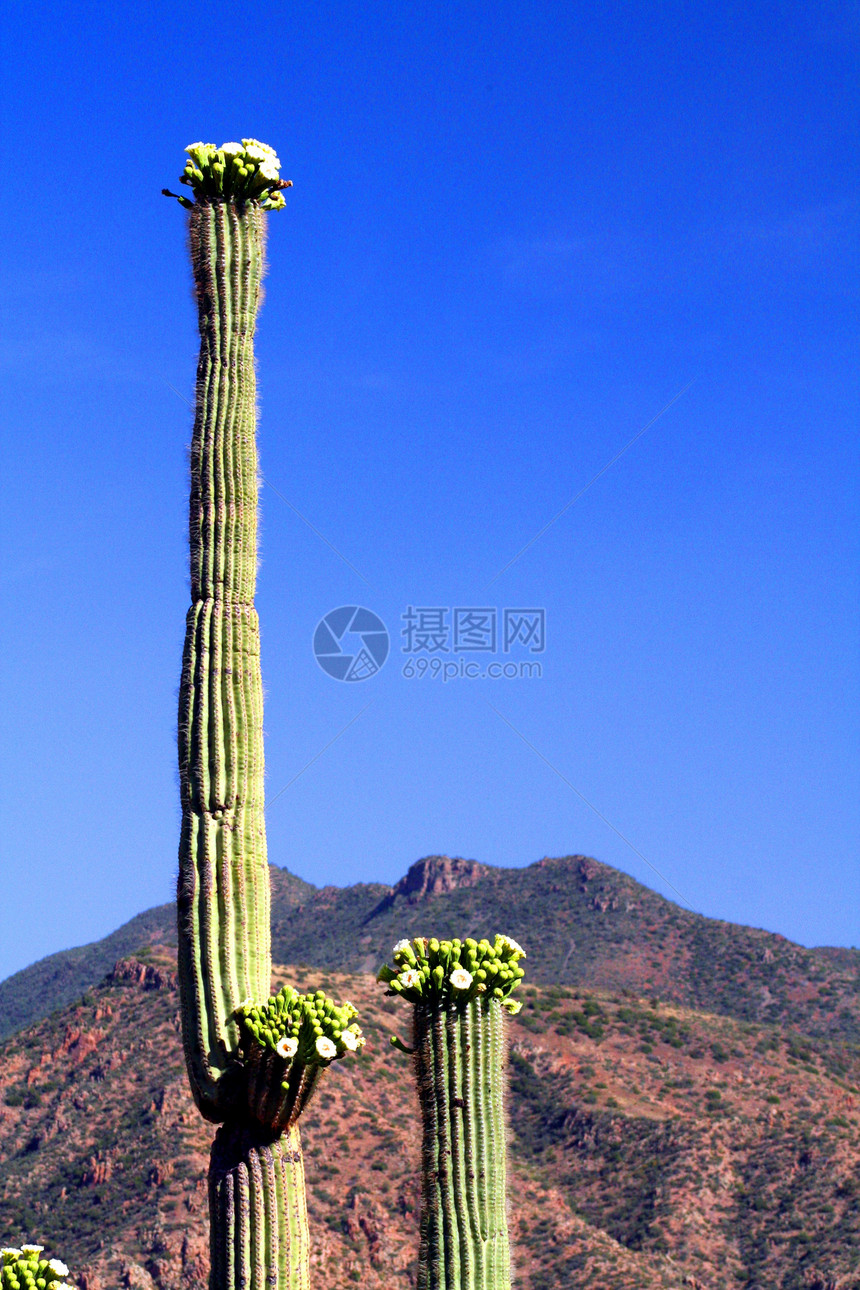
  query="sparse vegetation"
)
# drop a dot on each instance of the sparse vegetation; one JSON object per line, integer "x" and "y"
{"x": 615, "y": 1159}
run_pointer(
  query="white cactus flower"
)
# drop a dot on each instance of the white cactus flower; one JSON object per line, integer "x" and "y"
{"x": 57, "y": 1265}
{"x": 411, "y": 979}
{"x": 287, "y": 1047}
{"x": 32, "y": 1249}
{"x": 201, "y": 152}
{"x": 351, "y": 1040}
{"x": 260, "y": 151}
{"x": 511, "y": 944}
{"x": 9, "y": 1253}
{"x": 460, "y": 979}
{"x": 325, "y": 1047}
{"x": 231, "y": 149}
{"x": 401, "y": 947}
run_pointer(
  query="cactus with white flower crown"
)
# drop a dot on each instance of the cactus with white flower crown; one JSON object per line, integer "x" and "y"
{"x": 253, "y": 1061}
{"x": 25, "y": 1269}
{"x": 459, "y": 991}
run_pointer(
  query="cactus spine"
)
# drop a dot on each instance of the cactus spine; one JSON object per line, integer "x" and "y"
{"x": 459, "y": 990}
{"x": 252, "y": 1065}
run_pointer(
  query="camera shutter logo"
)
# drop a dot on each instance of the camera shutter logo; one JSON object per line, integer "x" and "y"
{"x": 351, "y": 643}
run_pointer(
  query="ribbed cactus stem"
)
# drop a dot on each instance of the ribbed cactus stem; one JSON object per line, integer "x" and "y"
{"x": 223, "y": 892}
{"x": 458, "y": 990}
{"x": 253, "y": 1061}
{"x": 459, "y": 1059}
{"x": 257, "y": 1211}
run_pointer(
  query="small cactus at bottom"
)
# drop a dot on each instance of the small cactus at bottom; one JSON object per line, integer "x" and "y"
{"x": 25, "y": 1269}
{"x": 459, "y": 990}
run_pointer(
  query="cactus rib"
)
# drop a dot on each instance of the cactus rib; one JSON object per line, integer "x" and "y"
{"x": 258, "y": 1211}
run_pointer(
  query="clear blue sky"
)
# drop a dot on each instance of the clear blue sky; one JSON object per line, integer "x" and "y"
{"x": 516, "y": 233}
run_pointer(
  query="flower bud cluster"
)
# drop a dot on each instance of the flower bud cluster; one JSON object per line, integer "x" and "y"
{"x": 25, "y": 1269}
{"x": 306, "y": 1028}
{"x": 428, "y": 969}
{"x": 239, "y": 172}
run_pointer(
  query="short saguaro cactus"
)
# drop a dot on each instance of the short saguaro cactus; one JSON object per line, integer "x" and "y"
{"x": 459, "y": 991}
{"x": 253, "y": 1061}
{"x": 25, "y": 1269}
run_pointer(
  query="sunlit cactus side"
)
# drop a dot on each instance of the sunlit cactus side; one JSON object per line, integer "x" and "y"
{"x": 459, "y": 991}
{"x": 25, "y": 1269}
{"x": 253, "y": 1061}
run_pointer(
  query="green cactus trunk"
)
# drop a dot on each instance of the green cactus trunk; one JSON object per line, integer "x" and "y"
{"x": 257, "y": 1211}
{"x": 253, "y": 1061}
{"x": 459, "y": 1050}
{"x": 258, "y": 1215}
{"x": 223, "y": 893}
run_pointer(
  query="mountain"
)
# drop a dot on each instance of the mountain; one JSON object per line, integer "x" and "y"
{"x": 58, "y": 979}
{"x": 652, "y": 1146}
{"x": 584, "y": 924}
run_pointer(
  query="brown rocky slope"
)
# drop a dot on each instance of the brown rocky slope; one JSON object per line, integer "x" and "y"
{"x": 650, "y": 1145}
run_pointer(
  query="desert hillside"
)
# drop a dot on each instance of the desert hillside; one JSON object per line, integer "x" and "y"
{"x": 651, "y": 1144}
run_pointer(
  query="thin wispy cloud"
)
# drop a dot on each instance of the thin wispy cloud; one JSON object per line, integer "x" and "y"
{"x": 631, "y": 261}
{"x": 808, "y": 238}
{"x": 556, "y": 265}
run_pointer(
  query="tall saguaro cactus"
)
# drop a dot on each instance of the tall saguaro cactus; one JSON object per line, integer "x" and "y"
{"x": 224, "y": 955}
{"x": 252, "y": 1061}
{"x": 459, "y": 990}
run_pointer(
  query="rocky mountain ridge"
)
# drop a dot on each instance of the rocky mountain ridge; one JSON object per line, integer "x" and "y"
{"x": 585, "y": 922}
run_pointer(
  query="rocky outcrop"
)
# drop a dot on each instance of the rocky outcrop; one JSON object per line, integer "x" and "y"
{"x": 433, "y": 876}
{"x": 146, "y": 976}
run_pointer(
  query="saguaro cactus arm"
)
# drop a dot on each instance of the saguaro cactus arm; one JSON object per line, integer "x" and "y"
{"x": 459, "y": 990}
{"x": 287, "y": 1044}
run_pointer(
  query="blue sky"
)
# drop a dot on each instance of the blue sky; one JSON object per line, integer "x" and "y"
{"x": 516, "y": 235}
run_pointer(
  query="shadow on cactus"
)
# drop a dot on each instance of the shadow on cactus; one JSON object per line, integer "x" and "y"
{"x": 253, "y": 1061}
{"x": 459, "y": 991}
